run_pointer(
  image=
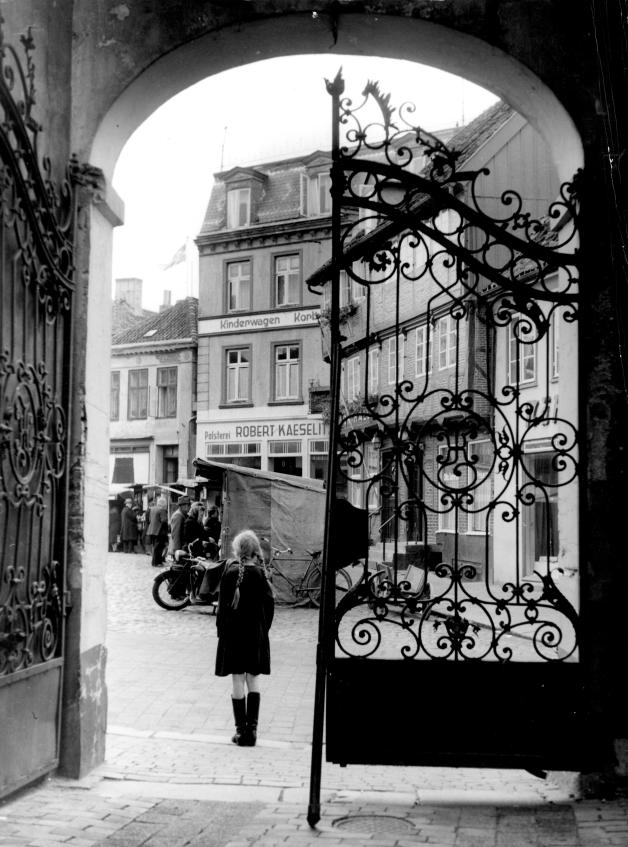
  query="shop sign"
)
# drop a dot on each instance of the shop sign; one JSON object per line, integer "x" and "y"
{"x": 267, "y": 429}
{"x": 258, "y": 322}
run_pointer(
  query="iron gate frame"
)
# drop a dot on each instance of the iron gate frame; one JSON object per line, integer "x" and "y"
{"x": 554, "y": 682}
{"x": 36, "y": 402}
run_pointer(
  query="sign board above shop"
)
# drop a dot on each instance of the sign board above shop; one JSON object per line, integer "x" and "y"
{"x": 258, "y": 321}
{"x": 263, "y": 429}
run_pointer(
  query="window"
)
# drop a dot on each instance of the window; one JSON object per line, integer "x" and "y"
{"x": 114, "y": 402}
{"x": 421, "y": 364}
{"x": 287, "y": 280}
{"x": 374, "y": 370}
{"x": 540, "y": 519}
{"x": 171, "y": 464}
{"x": 353, "y": 378}
{"x": 287, "y": 372}
{"x": 395, "y": 359}
{"x": 238, "y": 207}
{"x": 482, "y": 493}
{"x": 451, "y": 473}
{"x": 521, "y": 357}
{"x": 316, "y": 194}
{"x": 247, "y": 454}
{"x": 345, "y": 288}
{"x": 318, "y": 451}
{"x": 447, "y": 330}
{"x": 238, "y": 286}
{"x": 138, "y": 394}
{"x": 166, "y": 392}
{"x": 555, "y": 342}
{"x": 238, "y": 375}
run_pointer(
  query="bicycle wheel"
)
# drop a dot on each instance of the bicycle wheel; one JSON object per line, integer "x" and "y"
{"x": 313, "y": 585}
{"x": 343, "y": 584}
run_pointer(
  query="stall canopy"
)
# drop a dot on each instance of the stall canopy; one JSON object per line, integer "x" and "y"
{"x": 288, "y": 510}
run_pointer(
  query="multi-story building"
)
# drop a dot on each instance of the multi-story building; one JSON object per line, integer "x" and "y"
{"x": 153, "y": 382}
{"x": 413, "y": 320}
{"x": 259, "y": 348}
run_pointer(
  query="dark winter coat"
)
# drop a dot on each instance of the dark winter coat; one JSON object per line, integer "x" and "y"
{"x": 129, "y": 524}
{"x": 192, "y": 530}
{"x": 243, "y": 645}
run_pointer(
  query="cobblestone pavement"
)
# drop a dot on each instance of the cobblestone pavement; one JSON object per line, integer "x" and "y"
{"x": 172, "y": 777}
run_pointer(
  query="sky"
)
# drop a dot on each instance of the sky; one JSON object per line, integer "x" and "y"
{"x": 256, "y": 113}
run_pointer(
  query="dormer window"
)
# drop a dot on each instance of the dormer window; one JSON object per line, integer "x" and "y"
{"x": 238, "y": 208}
{"x": 316, "y": 194}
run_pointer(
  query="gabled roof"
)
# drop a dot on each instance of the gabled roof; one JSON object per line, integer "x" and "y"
{"x": 466, "y": 141}
{"x": 123, "y": 316}
{"x": 176, "y": 323}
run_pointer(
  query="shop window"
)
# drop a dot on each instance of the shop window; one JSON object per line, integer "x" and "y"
{"x": 287, "y": 275}
{"x": 319, "y": 453}
{"x": 166, "y": 392}
{"x": 285, "y": 457}
{"x": 482, "y": 493}
{"x": 521, "y": 356}
{"x": 123, "y": 471}
{"x": 287, "y": 372}
{"x": 540, "y": 519}
{"x": 238, "y": 286}
{"x": 447, "y": 342}
{"x": 138, "y": 394}
{"x": 451, "y": 474}
{"x": 238, "y": 208}
{"x": 242, "y": 453}
{"x": 114, "y": 402}
{"x": 238, "y": 375}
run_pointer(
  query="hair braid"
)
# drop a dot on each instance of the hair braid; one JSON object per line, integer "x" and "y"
{"x": 236, "y": 594}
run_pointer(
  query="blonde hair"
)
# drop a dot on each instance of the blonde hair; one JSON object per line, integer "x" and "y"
{"x": 245, "y": 546}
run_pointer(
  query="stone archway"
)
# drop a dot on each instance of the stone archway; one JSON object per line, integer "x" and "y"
{"x": 121, "y": 111}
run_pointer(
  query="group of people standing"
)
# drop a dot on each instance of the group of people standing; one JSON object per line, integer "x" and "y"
{"x": 131, "y": 529}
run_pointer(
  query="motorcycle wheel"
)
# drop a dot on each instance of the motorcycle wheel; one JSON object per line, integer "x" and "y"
{"x": 161, "y": 593}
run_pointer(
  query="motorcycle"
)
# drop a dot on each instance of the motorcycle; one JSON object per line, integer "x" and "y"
{"x": 192, "y": 578}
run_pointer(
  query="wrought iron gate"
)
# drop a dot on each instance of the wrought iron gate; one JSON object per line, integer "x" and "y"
{"x": 453, "y": 336}
{"x": 36, "y": 268}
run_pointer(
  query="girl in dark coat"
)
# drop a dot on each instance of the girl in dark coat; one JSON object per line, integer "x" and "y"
{"x": 244, "y": 616}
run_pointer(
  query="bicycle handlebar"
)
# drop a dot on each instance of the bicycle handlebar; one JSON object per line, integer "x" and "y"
{"x": 275, "y": 550}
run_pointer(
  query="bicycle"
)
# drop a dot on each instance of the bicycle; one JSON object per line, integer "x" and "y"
{"x": 307, "y": 586}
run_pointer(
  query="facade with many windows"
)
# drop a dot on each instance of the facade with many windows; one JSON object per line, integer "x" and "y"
{"x": 153, "y": 381}
{"x": 404, "y": 327}
{"x": 259, "y": 348}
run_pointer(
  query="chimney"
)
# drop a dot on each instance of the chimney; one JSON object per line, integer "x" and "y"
{"x": 129, "y": 289}
{"x": 167, "y": 300}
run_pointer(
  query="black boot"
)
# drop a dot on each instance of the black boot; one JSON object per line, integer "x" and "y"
{"x": 252, "y": 713}
{"x": 239, "y": 714}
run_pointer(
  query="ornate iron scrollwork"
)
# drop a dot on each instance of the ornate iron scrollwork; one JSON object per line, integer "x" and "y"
{"x": 460, "y": 440}
{"x": 36, "y": 267}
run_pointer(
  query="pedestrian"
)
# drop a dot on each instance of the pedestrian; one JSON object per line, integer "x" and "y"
{"x": 243, "y": 619}
{"x": 176, "y": 524}
{"x": 128, "y": 530}
{"x": 158, "y": 530}
{"x": 115, "y": 525}
{"x": 193, "y": 524}
{"x": 212, "y": 525}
